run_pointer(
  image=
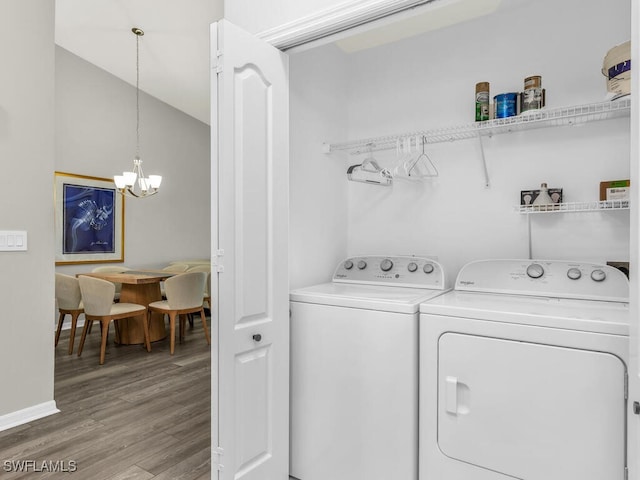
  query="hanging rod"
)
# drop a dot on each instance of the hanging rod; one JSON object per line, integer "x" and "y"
{"x": 536, "y": 119}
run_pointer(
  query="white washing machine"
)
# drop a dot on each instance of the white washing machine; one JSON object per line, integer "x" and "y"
{"x": 354, "y": 369}
{"x": 523, "y": 373}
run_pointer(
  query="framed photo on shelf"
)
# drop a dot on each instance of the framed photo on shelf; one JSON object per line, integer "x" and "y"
{"x": 89, "y": 220}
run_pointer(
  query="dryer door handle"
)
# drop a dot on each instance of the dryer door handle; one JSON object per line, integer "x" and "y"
{"x": 451, "y": 395}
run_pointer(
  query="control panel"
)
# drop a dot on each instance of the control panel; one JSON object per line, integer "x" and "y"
{"x": 548, "y": 278}
{"x": 401, "y": 271}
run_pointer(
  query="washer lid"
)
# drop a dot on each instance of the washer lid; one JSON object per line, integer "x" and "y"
{"x": 570, "y": 314}
{"x": 369, "y": 297}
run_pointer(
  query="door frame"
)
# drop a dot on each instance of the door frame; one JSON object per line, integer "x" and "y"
{"x": 633, "y": 419}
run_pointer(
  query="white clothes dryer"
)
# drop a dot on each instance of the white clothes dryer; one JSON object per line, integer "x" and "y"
{"x": 354, "y": 369}
{"x": 523, "y": 373}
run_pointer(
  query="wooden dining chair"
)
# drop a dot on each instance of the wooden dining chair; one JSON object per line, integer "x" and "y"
{"x": 185, "y": 293}
{"x": 69, "y": 300}
{"x": 97, "y": 297}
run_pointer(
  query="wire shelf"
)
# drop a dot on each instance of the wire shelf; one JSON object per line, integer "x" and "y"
{"x": 530, "y": 120}
{"x": 599, "y": 206}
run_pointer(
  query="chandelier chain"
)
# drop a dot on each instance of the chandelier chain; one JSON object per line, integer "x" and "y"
{"x": 134, "y": 183}
{"x": 137, "y": 96}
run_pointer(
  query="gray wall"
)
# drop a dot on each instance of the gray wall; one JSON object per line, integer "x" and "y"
{"x": 95, "y": 136}
{"x": 26, "y": 155}
{"x": 90, "y": 131}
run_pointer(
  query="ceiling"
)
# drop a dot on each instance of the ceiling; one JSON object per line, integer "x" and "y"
{"x": 434, "y": 16}
{"x": 174, "y": 52}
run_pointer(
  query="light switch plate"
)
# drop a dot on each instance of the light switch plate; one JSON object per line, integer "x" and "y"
{"x": 13, "y": 240}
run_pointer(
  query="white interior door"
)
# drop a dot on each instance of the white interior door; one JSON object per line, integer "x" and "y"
{"x": 250, "y": 129}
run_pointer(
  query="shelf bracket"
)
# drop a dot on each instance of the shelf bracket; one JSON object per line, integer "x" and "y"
{"x": 484, "y": 163}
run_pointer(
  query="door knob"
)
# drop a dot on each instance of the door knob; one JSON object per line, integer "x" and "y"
{"x": 257, "y": 337}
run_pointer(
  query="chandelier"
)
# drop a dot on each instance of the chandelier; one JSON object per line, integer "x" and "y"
{"x": 134, "y": 183}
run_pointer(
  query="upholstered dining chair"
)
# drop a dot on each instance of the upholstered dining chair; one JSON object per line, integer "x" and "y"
{"x": 207, "y": 293}
{"x": 185, "y": 293}
{"x": 69, "y": 300}
{"x": 113, "y": 269}
{"x": 176, "y": 267}
{"x": 97, "y": 297}
{"x": 207, "y": 289}
{"x": 192, "y": 263}
{"x": 173, "y": 268}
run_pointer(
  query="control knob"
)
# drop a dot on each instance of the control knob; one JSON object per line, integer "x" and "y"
{"x": 574, "y": 273}
{"x": 428, "y": 268}
{"x": 386, "y": 265}
{"x": 535, "y": 270}
{"x": 362, "y": 265}
{"x": 598, "y": 275}
{"x": 348, "y": 264}
{"x": 412, "y": 267}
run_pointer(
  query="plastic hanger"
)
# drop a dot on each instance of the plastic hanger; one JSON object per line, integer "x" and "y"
{"x": 370, "y": 172}
{"x": 403, "y": 152}
{"x": 422, "y": 166}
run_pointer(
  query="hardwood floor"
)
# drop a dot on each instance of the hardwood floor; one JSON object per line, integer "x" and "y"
{"x": 139, "y": 416}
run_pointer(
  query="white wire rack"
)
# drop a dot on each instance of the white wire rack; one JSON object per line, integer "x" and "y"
{"x": 575, "y": 207}
{"x": 537, "y": 119}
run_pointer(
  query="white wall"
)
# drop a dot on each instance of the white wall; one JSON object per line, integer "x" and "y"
{"x": 95, "y": 135}
{"x": 318, "y": 207}
{"x": 26, "y": 153}
{"x": 428, "y": 82}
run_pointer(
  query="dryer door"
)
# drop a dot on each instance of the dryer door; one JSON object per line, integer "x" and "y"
{"x": 531, "y": 411}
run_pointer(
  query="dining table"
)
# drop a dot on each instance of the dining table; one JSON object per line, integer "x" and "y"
{"x": 141, "y": 287}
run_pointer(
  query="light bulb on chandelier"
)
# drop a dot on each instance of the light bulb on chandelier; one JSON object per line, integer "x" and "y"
{"x": 134, "y": 183}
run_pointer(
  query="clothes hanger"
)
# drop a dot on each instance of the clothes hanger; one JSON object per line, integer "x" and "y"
{"x": 369, "y": 171}
{"x": 422, "y": 166}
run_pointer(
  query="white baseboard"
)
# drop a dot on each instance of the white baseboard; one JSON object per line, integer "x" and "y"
{"x": 27, "y": 415}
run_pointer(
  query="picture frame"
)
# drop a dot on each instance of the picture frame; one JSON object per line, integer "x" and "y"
{"x": 89, "y": 220}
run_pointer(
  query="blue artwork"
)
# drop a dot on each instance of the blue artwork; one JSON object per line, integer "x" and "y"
{"x": 88, "y": 219}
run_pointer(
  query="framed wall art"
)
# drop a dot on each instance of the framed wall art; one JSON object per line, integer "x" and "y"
{"x": 89, "y": 220}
